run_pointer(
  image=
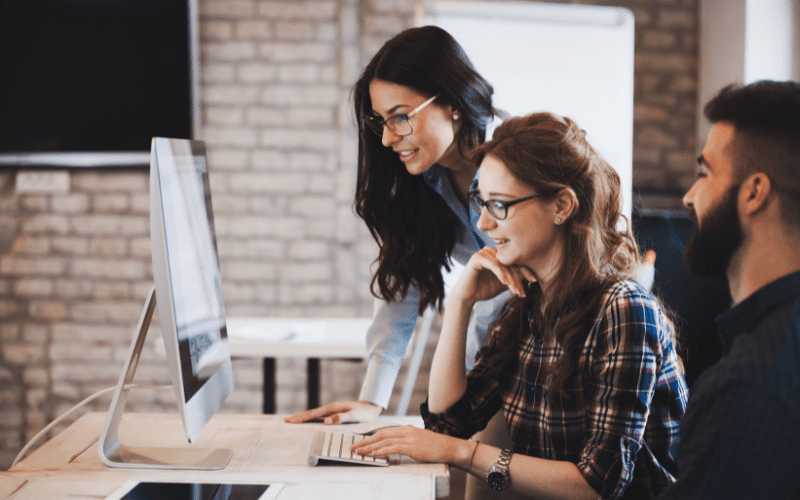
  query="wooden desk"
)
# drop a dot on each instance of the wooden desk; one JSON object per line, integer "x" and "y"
{"x": 266, "y": 450}
{"x": 312, "y": 338}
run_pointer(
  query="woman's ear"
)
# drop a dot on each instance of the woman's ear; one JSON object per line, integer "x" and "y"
{"x": 456, "y": 118}
{"x": 565, "y": 204}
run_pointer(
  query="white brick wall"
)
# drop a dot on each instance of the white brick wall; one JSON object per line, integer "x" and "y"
{"x": 276, "y": 79}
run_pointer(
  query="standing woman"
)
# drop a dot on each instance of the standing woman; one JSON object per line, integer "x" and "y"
{"x": 582, "y": 362}
{"x": 421, "y": 108}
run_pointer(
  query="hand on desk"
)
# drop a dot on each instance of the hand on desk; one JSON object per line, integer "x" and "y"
{"x": 339, "y": 413}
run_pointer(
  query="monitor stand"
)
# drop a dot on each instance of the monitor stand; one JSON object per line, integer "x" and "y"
{"x": 115, "y": 454}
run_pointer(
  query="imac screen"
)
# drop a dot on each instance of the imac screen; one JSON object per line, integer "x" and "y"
{"x": 193, "y": 263}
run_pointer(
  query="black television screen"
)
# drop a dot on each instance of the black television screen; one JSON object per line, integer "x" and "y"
{"x": 94, "y": 76}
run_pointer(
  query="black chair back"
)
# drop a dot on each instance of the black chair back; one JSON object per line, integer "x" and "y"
{"x": 695, "y": 301}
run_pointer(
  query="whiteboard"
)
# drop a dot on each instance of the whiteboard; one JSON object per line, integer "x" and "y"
{"x": 575, "y": 61}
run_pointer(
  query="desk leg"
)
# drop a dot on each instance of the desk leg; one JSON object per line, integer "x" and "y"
{"x": 269, "y": 386}
{"x": 313, "y": 382}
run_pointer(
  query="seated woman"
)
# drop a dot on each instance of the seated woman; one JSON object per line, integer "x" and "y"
{"x": 582, "y": 361}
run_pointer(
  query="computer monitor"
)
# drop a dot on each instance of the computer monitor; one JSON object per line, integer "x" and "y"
{"x": 191, "y": 310}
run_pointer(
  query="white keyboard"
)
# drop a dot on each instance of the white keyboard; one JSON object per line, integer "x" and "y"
{"x": 332, "y": 445}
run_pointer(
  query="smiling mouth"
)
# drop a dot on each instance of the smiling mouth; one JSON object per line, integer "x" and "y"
{"x": 405, "y": 155}
{"x": 499, "y": 242}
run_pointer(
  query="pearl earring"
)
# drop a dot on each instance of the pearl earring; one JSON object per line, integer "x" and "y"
{"x": 558, "y": 220}
{"x": 455, "y": 116}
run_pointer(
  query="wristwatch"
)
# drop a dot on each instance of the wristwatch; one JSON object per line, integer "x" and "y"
{"x": 498, "y": 474}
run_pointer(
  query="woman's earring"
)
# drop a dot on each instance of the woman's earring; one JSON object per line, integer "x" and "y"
{"x": 455, "y": 116}
{"x": 558, "y": 220}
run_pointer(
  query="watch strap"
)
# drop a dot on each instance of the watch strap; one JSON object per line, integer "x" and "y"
{"x": 505, "y": 458}
{"x": 498, "y": 474}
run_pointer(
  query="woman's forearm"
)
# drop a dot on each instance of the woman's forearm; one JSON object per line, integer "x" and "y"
{"x": 535, "y": 477}
{"x": 448, "y": 378}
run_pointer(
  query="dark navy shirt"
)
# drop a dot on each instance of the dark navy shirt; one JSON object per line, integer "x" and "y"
{"x": 740, "y": 437}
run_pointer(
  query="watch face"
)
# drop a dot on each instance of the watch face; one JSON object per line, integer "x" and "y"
{"x": 497, "y": 480}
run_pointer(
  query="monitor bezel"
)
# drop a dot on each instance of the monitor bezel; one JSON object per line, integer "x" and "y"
{"x": 198, "y": 409}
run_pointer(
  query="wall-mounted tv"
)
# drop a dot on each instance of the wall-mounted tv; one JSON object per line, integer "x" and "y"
{"x": 89, "y": 83}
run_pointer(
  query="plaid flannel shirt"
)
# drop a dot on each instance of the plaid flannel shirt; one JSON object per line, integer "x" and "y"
{"x": 623, "y": 436}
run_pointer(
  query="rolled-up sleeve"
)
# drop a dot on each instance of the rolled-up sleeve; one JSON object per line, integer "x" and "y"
{"x": 393, "y": 322}
{"x": 388, "y": 337}
{"x": 625, "y": 354}
{"x": 387, "y": 340}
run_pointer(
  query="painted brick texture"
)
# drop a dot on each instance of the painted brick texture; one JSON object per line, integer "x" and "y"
{"x": 276, "y": 77}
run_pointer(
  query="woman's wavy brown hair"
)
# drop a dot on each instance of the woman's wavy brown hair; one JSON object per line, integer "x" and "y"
{"x": 413, "y": 226}
{"x": 550, "y": 153}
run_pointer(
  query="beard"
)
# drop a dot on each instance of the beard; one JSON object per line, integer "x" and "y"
{"x": 711, "y": 248}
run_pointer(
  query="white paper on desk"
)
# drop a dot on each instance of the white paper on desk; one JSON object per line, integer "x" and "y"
{"x": 277, "y": 330}
{"x": 256, "y": 332}
{"x": 307, "y": 332}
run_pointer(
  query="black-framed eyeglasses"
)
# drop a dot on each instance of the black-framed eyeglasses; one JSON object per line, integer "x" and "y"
{"x": 497, "y": 208}
{"x": 398, "y": 124}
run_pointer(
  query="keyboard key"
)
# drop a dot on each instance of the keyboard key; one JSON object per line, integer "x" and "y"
{"x": 336, "y": 444}
{"x": 333, "y": 445}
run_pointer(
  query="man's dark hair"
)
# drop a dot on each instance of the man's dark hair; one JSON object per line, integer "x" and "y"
{"x": 766, "y": 120}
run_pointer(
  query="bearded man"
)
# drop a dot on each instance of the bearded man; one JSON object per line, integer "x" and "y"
{"x": 740, "y": 437}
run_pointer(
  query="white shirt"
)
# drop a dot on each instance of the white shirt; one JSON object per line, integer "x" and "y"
{"x": 393, "y": 322}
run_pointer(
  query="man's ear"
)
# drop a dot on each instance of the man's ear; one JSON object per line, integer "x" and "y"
{"x": 754, "y": 193}
{"x": 566, "y": 204}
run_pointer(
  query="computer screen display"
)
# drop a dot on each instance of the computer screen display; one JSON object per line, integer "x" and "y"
{"x": 192, "y": 261}
{"x": 187, "y": 289}
{"x": 197, "y": 491}
{"x": 187, "y": 280}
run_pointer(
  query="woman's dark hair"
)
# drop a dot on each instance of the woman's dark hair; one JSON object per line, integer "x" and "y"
{"x": 550, "y": 153}
{"x": 413, "y": 226}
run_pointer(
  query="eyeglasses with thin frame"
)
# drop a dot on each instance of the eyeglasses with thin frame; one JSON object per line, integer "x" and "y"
{"x": 398, "y": 124}
{"x": 497, "y": 208}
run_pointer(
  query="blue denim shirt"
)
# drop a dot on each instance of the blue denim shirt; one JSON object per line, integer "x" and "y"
{"x": 393, "y": 322}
